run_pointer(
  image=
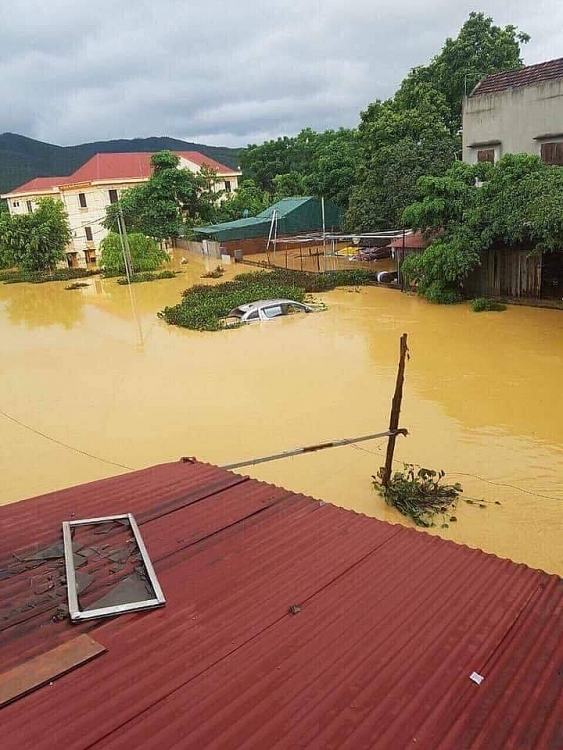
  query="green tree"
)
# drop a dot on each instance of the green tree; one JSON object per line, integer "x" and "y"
{"x": 516, "y": 203}
{"x": 400, "y": 140}
{"x": 248, "y": 200}
{"x": 262, "y": 163}
{"x": 35, "y": 241}
{"x": 479, "y": 49}
{"x": 288, "y": 185}
{"x": 169, "y": 201}
{"x": 332, "y": 172}
{"x": 326, "y": 162}
{"x": 417, "y": 132}
{"x": 146, "y": 254}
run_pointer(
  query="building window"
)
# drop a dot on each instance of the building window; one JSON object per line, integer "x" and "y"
{"x": 29, "y": 205}
{"x": 487, "y": 154}
{"x": 90, "y": 256}
{"x": 227, "y": 186}
{"x": 113, "y": 197}
{"x": 16, "y": 204}
{"x": 82, "y": 200}
{"x": 552, "y": 153}
{"x": 89, "y": 235}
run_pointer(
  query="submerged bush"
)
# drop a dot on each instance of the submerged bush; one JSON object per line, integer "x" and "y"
{"x": 42, "y": 277}
{"x": 483, "y": 304}
{"x": 418, "y": 495}
{"x": 146, "y": 254}
{"x": 138, "y": 278}
{"x": 203, "y": 307}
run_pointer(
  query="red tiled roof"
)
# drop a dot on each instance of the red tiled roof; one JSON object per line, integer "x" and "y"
{"x": 390, "y": 625}
{"x": 532, "y": 75}
{"x": 413, "y": 241}
{"x": 39, "y": 184}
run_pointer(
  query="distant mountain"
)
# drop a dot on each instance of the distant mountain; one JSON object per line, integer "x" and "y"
{"x": 22, "y": 159}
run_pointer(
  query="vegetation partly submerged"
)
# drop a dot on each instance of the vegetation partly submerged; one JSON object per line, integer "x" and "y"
{"x": 203, "y": 307}
{"x": 420, "y": 495}
{"x": 42, "y": 277}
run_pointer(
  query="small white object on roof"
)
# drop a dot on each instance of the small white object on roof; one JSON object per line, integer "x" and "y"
{"x": 476, "y": 677}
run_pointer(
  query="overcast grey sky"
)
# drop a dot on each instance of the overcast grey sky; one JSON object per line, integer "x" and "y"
{"x": 225, "y": 72}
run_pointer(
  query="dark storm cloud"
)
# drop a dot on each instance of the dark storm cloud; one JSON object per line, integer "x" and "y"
{"x": 223, "y": 73}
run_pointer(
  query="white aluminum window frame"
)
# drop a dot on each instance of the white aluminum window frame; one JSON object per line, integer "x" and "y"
{"x": 77, "y": 614}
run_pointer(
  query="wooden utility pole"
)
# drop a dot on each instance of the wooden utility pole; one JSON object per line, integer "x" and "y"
{"x": 385, "y": 471}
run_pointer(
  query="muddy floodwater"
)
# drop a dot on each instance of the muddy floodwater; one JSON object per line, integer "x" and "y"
{"x": 93, "y": 384}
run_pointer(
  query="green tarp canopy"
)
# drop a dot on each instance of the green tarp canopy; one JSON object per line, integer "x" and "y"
{"x": 294, "y": 216}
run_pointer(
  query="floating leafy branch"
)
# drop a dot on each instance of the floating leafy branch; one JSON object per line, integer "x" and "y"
{"x": 419, "y": 495}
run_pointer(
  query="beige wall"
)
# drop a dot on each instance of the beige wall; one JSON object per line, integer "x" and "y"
{"x": 231, "y": 177}
{"x": 97, "y": 200}
{"x": 19, "y": 204}
{"x": 515, "y": 118}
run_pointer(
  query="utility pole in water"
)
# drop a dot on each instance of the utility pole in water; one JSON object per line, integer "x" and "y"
{"x": 124, "y": 243}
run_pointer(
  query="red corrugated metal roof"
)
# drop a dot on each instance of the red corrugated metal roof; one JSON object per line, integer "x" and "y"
{"x": 532, "y": 75}
{"x": 392, "y": 623}
{"x": 196, "y": 158}
{"x": 121, "y": 166}
{"x": 38, "y": 184}
{"x": 132, "y": 166}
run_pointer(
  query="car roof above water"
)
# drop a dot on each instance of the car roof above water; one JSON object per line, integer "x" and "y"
{"x": 266, "y": 303}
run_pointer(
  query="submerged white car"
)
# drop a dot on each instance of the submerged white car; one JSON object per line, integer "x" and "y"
{"x": 265, "y": 309}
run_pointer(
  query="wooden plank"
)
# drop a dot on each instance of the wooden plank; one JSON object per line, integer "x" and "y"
{"x": 36, "y": 672}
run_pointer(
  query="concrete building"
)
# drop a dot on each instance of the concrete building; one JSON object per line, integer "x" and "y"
{"x": 518, "y": 111}
{"x": 95, "y": 185}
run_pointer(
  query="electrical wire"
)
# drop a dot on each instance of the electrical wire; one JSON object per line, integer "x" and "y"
{"x": 64, "y": 445}
{"x": 474, "y": 476}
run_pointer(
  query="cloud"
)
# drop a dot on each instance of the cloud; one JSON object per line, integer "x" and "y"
{"x": 223, "y": 73}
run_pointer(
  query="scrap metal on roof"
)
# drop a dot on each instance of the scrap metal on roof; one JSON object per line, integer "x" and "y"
{"x": 289, "y": 623}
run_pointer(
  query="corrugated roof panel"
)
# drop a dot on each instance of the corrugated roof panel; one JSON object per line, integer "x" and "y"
{"x": 389, "y": 623}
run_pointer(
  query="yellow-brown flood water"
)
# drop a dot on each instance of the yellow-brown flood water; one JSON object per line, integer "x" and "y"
{"x": 482, "y": 399}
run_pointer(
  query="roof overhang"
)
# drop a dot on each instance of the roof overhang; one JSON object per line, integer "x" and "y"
{"x": 482, "y": 144}
{"x": 548, "y": 136}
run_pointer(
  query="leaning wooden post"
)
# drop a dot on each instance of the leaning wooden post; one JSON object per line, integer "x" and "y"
{"x": 385, "y": 472}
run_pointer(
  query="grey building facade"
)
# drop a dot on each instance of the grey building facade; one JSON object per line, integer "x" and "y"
{"x": 518, "y": 111}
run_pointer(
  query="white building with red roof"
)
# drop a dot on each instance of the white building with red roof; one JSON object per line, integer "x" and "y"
{"x": 95, "y": 185}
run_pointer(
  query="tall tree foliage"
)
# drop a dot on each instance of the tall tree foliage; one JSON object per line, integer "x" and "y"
{"x": 401, "y": 140}
{"x": 248, "y": 200}
{"x": 515, "y": 203}
{"x": 325, "y": 162}
{"x": 172, "y": 199}
{"x": 417, "y": 132}
{"x": 35, "y": 241}
{"x": 480, "y": 48}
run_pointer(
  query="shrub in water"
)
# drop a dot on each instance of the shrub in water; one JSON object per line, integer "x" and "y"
{"x": 203, "y": 307}
{"x": 483, "y": 304}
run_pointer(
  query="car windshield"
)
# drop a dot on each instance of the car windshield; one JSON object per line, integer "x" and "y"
{"x": 236, "y": 313}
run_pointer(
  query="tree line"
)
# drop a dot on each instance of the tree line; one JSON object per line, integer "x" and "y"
{"x": 399, "y": 167}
